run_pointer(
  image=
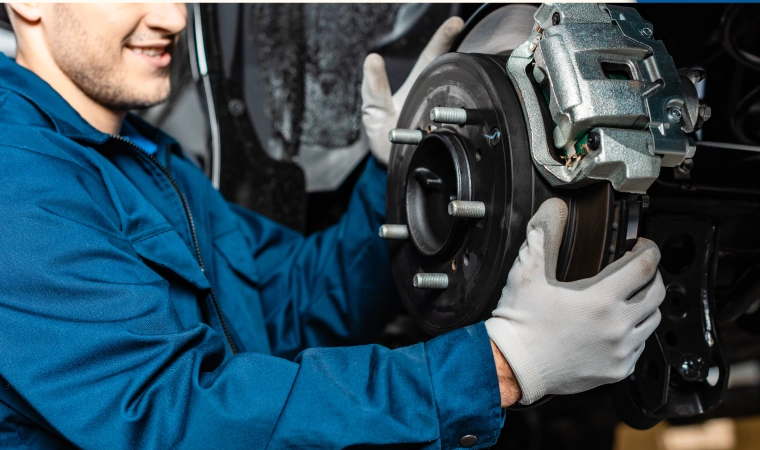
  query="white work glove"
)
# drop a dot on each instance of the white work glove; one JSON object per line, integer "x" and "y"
{"x": 380, "y": 110}
{"x": 565, "y": 338}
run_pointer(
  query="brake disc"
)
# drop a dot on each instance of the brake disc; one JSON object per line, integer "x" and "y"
{"x": 485, "y": 160}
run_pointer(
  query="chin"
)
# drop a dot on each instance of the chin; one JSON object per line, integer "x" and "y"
{"x": 151, "y": 94}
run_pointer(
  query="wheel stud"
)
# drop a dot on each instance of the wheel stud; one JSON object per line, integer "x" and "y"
{"x": 431, "y": 281}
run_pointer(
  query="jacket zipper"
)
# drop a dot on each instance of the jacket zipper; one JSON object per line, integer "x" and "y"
{"x": 190, "y": 221}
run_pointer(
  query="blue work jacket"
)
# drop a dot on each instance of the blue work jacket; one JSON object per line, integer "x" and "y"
{"x": 127, "y": 279}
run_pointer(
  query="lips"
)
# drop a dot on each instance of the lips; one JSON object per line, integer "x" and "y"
{"x": 156, "y": 55}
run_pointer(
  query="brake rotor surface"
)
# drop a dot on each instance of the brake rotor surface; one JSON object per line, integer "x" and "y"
{"x": 486, "y": 160}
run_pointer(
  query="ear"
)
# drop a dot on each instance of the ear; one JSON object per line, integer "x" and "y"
{"x": 29, "y": 12}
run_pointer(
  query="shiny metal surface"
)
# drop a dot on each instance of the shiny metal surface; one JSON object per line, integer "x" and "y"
{"x": 394, "y": 232}
{"x": 431, "y": 281}
{"x": 454, "y": 116}
{"x": 501, "y": 31}
{"x": 600, "y": 68}
{"x": 405, "y": 136}
{"x": 467, "y": 209}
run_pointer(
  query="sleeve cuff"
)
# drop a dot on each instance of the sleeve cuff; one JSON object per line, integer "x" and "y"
{"x": 466, "y": 388}
{"x": 522, "y": 366}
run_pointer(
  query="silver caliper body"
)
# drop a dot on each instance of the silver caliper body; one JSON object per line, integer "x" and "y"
{"x": 607, "y": 79}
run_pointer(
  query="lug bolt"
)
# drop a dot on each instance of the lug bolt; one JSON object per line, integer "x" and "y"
{"x": 555, "y": 18}
{"x": 454, "y": 116}
{"x": 394, "y": 232}
{"x": 592, "y": 140}
{"x": 469, "y": 210}
{"x": 404, "y": 136}
{"x": 431, "y": 281}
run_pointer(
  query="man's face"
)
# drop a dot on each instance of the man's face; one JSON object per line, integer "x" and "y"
{"x": 117, "y": 54}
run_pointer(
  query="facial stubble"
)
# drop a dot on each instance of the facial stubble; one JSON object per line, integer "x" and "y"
{"x": 96, "y": 70}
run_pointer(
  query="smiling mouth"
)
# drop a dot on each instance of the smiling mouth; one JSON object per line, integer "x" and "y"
{"x": 149, "y": 51}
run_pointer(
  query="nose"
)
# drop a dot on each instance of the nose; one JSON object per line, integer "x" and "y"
{"x": 168, "y": 17}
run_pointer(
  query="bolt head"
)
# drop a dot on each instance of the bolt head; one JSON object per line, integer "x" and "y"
{"x": 706, "y": 111}
{"x": 593, "y": 140}
{"x": 691, "y": 367}
{"x": 646, "y": 32}
{"x": 555, "y": 18}
{"x": 674, "y": 115}
{"x": 236, "y": 107}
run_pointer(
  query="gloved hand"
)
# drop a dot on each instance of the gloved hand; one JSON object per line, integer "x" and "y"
{"x": 564, "y": 338}
{"x": 380, "y": 110}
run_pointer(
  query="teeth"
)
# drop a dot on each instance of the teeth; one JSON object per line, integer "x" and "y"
{"x": 149, "y": 51}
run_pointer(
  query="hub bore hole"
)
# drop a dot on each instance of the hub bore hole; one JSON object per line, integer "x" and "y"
{"x": 678, "y": 253}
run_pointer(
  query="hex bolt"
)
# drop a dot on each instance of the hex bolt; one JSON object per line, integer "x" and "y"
{"x": 431, "y": 281}
{"x": 405, "y": 136}
{"x": 454, "y": 116}
{"x": 690, "y": 367}
{"x": 593, "y": 140}
{"x": 394, "y": 232}
{"x": 705, "y": 111}
{"x": 646, "y": 32}
{"x": 555, "y": 18}
{"x": 468, "y": 210}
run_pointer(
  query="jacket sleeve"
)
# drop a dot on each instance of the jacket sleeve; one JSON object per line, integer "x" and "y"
{"x": 330, "y": 288}
{"x": 93, "y": 350}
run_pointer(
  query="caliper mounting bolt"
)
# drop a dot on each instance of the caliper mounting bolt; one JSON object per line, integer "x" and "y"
{"x": 405, "y": 136}
{"x": 431, "y": 281}
{"x": 394, "y": 231}
{"x": 466, "y": 209}
{"x": 454, "y": 116}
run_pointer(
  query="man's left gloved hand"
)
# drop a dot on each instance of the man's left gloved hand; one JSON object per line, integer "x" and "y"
{"x": 380, "y": 109}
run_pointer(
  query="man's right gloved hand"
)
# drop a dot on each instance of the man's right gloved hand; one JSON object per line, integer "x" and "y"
{"x": 564, "y": 338}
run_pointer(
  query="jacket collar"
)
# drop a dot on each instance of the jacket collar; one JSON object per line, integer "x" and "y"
{"x": 64, "y": 118}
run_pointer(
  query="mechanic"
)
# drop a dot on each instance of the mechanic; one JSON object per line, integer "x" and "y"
{"x": 141, "y": 310}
